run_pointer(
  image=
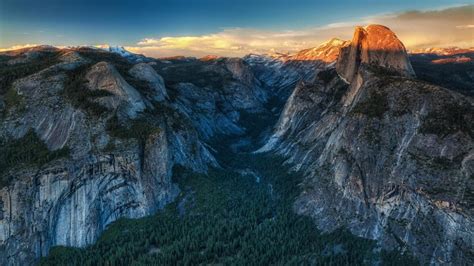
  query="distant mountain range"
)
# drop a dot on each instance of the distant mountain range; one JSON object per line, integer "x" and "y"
{"x": 443, "y": 51}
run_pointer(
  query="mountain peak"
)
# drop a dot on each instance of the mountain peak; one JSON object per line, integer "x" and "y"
{"x": 326, "y": 52}
{"x": 333, "y": 42}
{"x": 209, "y": 58}
{"x": 119, "y": 50}
{"x": 374, "y": 45}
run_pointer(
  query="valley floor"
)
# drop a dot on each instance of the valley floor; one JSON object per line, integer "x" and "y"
{"x": 238, "y": 214}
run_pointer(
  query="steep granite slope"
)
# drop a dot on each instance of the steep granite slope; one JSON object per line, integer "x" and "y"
{"x": 212, "y": 93}
{"x": 386, "y": 156}
{"x": 107, "y": 128}
{"x": 281, "y": 72}
{"x": 119, "y": 143}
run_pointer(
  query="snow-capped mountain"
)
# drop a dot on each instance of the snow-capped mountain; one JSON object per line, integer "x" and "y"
{"x": 132, "y": 57}
{"x": 443, "y": 51}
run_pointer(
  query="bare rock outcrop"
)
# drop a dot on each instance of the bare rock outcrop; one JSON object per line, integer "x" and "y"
{"x": 145, "y": 72}
{"x": 386, "y": 156}
{"x": 374, "y": 45}
{"x": 281, "y": 72}
{"x": 105, "y": 175}
{"x": 326, "y": 52}
{"x": 104, "y": 76}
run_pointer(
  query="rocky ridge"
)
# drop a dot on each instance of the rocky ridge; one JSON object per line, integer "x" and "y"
{"x": 283, "y": 71}
{"x": 120, "y": 155}
{"x": 443, "y": 50}
{"x": 450, "y": 69}
{"x": 385, "y": 155}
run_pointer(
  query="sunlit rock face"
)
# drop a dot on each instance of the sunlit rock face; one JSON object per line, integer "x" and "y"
{"x": 382, "y": 152}
{"x": 374, "y": 45}
{"x": 281, "y": 72}
{"x": 326, "y": 52}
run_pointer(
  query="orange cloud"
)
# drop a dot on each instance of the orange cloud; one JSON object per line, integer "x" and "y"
{"x": 16, "y": 47}
{"x": 417, "y": 29}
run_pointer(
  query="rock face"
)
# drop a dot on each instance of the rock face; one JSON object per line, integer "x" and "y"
{"x": 281, "y": 72}
{"x": 104, "y": 76}
{"x": 326, "y": 52}
{"x": 245, "y": 90}
{"x": 373, "y": 45}
{"x": 72, "y": 202}
{"x": 203, "y": 105}
{"x": 386, "y": 156}
{"x": 107, "y": 175}
{"x": 145, "y": 72}
{"x": 214, "y": 92}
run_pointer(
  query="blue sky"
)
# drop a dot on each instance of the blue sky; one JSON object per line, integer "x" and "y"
{"x": 128, "y": 22}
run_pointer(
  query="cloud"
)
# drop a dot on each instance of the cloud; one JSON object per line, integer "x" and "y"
{"x": 465, "y": 26}
{"x": 449, "y": 26}
{"x": 453, "y": 26}
{"x": 102, "y": 46}
{"x": 233, "y": 42}
{"x": 16, "y": 47}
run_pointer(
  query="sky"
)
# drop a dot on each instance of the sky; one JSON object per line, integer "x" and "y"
{"x": 230, "y": 28}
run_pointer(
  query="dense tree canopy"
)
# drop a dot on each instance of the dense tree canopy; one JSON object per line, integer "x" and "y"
{"x": 229, "y": 217}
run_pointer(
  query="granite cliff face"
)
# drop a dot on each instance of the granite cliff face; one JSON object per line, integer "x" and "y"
{"x": 122, "y": 144}
{"x": 374, "y": 45}
{"x": 103, "y": 76}
{"x": 281, "y": 72}
{"x": 121, "y": 123}
{"x": 386, "y": 156}
{"x": 146, "y": 73}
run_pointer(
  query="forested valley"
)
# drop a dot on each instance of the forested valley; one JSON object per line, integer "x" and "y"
{"x": 232, "y": 215}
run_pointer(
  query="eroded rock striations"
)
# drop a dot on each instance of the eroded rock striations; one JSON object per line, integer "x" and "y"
{"x": 125, "y": 121}
{"x": 120, "y": 158}
{"x": 389, "y": 157}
